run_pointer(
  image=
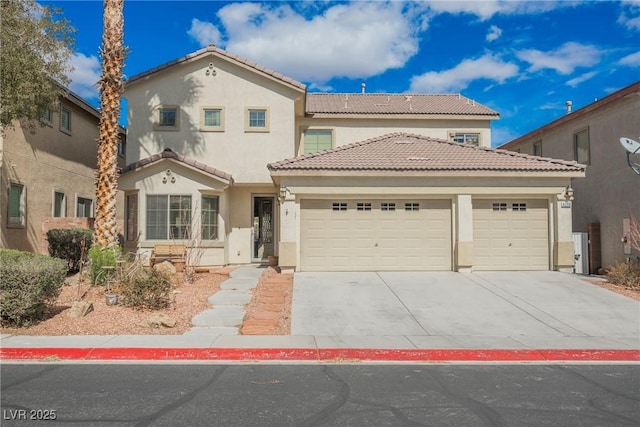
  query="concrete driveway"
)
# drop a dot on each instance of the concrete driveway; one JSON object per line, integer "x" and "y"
{"x": 447, "y": 309}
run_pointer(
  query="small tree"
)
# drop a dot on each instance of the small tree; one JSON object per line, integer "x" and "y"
{"x": 35, "y": 48}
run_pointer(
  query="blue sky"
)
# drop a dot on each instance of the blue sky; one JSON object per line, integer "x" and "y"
{"x": 523, "y": 59}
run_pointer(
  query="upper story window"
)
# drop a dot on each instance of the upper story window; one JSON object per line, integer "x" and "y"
{"x": 537, "y": 148}
{"x": 17, "y": 206}
{"x": 257, "y": 119}
{"x": 46, "y": 116}
{"x": 212, "y": 119}
{"x": 581, "y": 149}
{"x": 317, "y": 140}
{"x": 122, "y": 148}
{"x": 466, "y": 138}
{"x": 167, "y": 118}
{"x": 65, "y": 120}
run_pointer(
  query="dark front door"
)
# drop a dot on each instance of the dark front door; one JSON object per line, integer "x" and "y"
{"x": 263, "y": 232}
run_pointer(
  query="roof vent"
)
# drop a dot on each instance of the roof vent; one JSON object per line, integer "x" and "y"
{"x": 363, "y": 86}
{"x": 568, "y": 104}
{"x": 169, "y": 150}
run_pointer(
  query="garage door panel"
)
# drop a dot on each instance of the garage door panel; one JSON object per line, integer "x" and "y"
{"x": 378, "y": 240}
{"x": 511, "y": 235}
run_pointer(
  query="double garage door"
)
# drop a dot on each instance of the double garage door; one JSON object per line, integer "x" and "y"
{"x": 417, "y": 235}
{"x": 375, "y": 235}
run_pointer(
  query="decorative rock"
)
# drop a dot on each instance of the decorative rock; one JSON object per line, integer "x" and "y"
{"x": 165, "y": 267}
{"x": 158, "y": 320}
{"x": 80, "y": 309}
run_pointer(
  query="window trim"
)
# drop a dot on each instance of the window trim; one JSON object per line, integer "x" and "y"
{"x": 93, "y": 206}
{"x": 218, "y": 222}
{"x": 247, "y": 114}
{"x": 22, "y": 219}
{"x": 204, "y": 127}
{"x": 453, "y": 133}
{"x": 316, "y": 128}
{"x": 63, "y": 210}
{"x": 156, "y": 118}
{"x": 62, "y": 129}
{"x": 575, "y": 145}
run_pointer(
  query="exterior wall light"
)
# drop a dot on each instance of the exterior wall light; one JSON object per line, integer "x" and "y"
{"x": 568, "y": 193}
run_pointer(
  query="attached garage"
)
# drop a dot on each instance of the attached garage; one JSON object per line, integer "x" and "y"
{"x": 369, "y": 235}
{"x": 511, "y": 234}
{"x": 410, "y": 202}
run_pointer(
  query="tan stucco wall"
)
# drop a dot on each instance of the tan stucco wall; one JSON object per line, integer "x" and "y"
{"x": 610, "y": 191}
{"x": 45, "y": 161}
{"x": 348, "y": 130}
{"x": 243, "y": 154}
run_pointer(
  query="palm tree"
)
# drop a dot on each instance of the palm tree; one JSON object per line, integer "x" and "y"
{"x": 111, "y": 86}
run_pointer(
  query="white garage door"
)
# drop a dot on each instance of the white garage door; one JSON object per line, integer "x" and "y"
{"x": 511, "y": 235}
{"x": 370, "y": 235}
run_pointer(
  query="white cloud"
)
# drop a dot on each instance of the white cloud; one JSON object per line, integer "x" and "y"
{"x": 581, "y": 79}
{"x": 85, "y": 75}
{"x": 632, "y": 60}
{"x": 494, "y": 33}
{"x": 630, "y": 15}
{"x": 354, "y": 40}
{"x": 485, "y": 9}
{"x": 564, "y": 60}
{"x": 205, "y": 33}
{"x": 488, "y": 67}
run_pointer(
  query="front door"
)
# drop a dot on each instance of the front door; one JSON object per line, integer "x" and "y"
{"x": 263, "y": 227}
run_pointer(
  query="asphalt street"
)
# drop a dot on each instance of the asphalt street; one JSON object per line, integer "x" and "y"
{"x": 338, "y": 394}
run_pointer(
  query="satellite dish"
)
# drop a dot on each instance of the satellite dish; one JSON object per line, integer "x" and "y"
{"x": 630, "y": 145}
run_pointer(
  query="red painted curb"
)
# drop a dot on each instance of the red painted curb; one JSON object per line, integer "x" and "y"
{"x": 326, "y": 355}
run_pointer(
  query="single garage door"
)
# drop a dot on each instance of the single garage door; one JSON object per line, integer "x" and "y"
{"x": 511, "y": 235}
{"x": 370, "y": 235}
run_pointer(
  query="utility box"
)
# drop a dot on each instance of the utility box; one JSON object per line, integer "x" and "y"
{"x": 581, "y": 253}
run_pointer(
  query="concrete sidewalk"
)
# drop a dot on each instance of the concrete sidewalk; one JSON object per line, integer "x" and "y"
{"x": 443, "y": 316}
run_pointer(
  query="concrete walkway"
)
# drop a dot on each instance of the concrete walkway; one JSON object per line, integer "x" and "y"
{"x": 225, "y": 318}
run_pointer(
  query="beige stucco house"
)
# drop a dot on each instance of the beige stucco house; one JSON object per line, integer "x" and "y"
{"x": 609, "y": 196}
{"x": 48, "y": 174}
{"x": 372, "y": 181}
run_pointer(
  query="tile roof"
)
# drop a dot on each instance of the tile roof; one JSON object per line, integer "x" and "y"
{"x": 170, "y": 154}
{"x": 213, "y": 50}
{"x": 382, "y": 103}
{"x": 407, "y": 152}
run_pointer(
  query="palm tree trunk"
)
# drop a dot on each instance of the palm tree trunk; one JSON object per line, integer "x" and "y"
{"x": 111, "y": 86}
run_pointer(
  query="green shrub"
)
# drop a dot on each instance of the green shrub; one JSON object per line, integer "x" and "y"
{"x": 28, "y": 283}
{"x": 67, "y": 244}
{"x": 148, "y": 289}
{"x": 102, "y": 257}
{"x": 626, "y": 274}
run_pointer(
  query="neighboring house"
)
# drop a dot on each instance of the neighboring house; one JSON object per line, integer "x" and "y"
{"x": 208, "y": 134}
{"x": 48, "y": 174}
{"x": 609, "y": 196}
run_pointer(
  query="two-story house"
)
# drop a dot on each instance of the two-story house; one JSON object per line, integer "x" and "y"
{"x": 48, "y": 174}
{"x": 609, "y": 197}
{"x": 242, "y": 163}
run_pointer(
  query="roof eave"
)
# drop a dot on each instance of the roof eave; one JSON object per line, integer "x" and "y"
{"x": 429, "y": 173}
{"x": 415, "y": 116}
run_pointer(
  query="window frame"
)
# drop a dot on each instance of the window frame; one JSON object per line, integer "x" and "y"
{"x": 412, "y": 206}
{"x": 247, "y": 120}
{"x": 169, "y": 224}
{"x": 339, "y": 206}
{"x": 92, "y": 206}
{"x": 576, "y": 152}
{"x": 21, "y": 220}
{"x": 66, "y": 110}
{"x": 388, "y": 206}
{"x": 316, "y": 129}
{"x": 364, "y": 206}
{"x": 132, "y": 227}
{"x": 203, "y": 125}
{"x": 157, "y": 125}
{"x": 63, "y": 205}
{"x": 454, "y": 134}
{"x": 216, "y": 223}
{"x": 46, "y": 117}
